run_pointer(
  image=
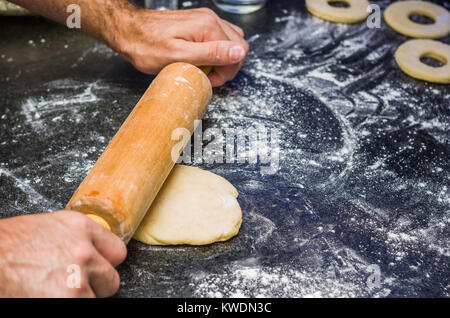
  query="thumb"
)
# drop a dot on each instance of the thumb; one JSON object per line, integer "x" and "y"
{"x": 214, "y": 52}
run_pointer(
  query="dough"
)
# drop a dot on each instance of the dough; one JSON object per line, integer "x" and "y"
{"x": 193, "y": 207}
{"x": 397, "y": 17}
{"x": 356, "y": 12}
{"x": 7, "y": 8}
{"x": 408, "y": 57}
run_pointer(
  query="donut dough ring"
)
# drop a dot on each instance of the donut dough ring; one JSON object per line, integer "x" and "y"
{"x": 7, "y": 8}
{"x": 356, "y": 12}
{"x": 408, "y": 57}
{"x": 194, "y": 207}
{"x": 397, "y": 17}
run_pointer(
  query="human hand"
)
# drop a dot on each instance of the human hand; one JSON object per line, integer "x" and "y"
{"x": 151, "y": 39}
{"x": 37, "y": 250}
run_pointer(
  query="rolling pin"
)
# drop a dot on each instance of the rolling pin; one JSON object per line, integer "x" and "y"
{"x": 126, "y": 178}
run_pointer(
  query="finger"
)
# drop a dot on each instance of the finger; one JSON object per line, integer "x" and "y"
{"x": 221, "y": 21}
{"x": 86, "y": 292}
{"x": 235, "y": 28}
{"x": 109, "y": 245}
{"x": 211, "y": 53}
{"x": 103, "y": 278}
{"x": 82, "y": 291}
{"x": 223, "y": 74}
{"x": 233, "y": 34}
{"x": 216, "y": 79}
{"x": 209, "y": 32}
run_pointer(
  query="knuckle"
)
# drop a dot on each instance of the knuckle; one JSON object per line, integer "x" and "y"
{"x": 83, "y": 253}
{"x": 175, "y": 52}
{"x": 240, "y": 31}
{"x": 81, "y": 221}
{"x": 207, "y": 11}
{"x": 214, "y": 53}
{"x": 208, "y": 19}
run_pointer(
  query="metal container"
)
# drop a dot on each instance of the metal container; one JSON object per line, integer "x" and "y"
{"x": 240, "y": 6}
{"x": 162, "y": 4}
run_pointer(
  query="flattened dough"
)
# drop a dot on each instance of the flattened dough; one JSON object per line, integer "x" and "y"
{"x": 408, "y": 57}
{"x": 397, "y": 17}
{"x": 356, "y": 12}
{"x": 8, "y": 8}
{"x": 194, "y": 207}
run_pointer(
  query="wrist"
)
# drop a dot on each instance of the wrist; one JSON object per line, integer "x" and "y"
{"x": 118, "y": 27}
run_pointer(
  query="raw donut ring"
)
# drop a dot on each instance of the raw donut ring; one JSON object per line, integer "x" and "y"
{"x": 408, "y": 57}
{"x": 397, "y": 17}
{"x": 356, "y": 12}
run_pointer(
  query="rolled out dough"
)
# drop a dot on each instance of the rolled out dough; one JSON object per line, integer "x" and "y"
{"x": 194, "y": 207}
{"x": 7, "y": 8}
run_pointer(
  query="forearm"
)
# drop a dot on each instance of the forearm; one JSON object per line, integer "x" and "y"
{"x": 152, "y": 39}
{"x": 99, "y": 18}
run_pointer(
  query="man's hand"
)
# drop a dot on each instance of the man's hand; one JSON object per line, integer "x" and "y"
{"x": 38, "y": 253}
{"x": 151, "y": 39}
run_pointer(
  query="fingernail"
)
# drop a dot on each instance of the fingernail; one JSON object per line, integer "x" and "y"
{"x": 236, "y": 53}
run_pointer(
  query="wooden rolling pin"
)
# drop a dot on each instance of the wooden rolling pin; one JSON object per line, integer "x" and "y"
{"x": 121, "y": 186}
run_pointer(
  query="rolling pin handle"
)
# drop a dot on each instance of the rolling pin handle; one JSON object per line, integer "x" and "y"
{"x": 99, "y": 220}
{"x": 206, "y": 69}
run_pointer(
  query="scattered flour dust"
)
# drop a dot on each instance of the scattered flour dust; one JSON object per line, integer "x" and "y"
{"x": 321, "y": 70}
{"x": 260, "y": 228}
{"x": 38, "y": 111}
{"x": 25, "y": 186}
{"x": 256, "y": 280}
{"x": 346, "y": 78}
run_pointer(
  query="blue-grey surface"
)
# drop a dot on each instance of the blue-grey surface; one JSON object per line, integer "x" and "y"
{"x": 363, "y": 180}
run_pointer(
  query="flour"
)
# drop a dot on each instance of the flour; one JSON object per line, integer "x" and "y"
{"x": 363, "y": 176}
{"x": 282, "y": 281}
{"x": 38, "y": 111}
{"x": 24, "y": 185}
{"x": 352, "y": 97}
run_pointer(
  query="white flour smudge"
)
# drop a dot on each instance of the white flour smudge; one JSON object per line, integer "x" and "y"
{"x": 38, "y": 111}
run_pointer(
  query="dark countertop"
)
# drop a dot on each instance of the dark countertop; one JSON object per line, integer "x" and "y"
{"x": 363, "y": 181}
